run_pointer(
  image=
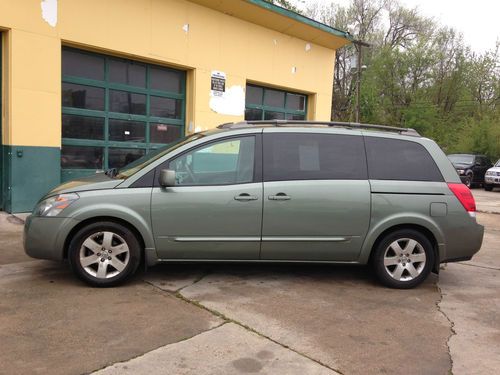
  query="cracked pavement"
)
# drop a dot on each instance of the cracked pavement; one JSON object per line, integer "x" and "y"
{"x": 266, "y": 319}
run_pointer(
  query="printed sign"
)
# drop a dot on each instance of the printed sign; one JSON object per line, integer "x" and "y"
{"x": 217, "y": 83}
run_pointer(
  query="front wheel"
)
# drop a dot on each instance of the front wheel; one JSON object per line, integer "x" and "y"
{"x": 403, "y": 259}
{"x": 104, "y": 254}
{"x": 488, "y": 187}
{"x": 468, "y": 181}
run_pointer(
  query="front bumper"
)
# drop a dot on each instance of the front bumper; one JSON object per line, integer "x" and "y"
{"x": 492, "y": 180}
{"x": 44, "y": 237}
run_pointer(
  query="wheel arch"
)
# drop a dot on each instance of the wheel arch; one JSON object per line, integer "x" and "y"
{"x": 96, "y": 219}
{"x": 427, "y": 228}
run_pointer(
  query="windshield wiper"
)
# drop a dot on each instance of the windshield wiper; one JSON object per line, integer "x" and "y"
{"x": 111, "y": 172}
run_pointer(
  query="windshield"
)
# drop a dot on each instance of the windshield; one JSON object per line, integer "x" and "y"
{"x": 497, "y": 164}
{"x": 153, "y": 155}
{"x": 461, "y": 159}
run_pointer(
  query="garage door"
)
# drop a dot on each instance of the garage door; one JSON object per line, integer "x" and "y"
{"x": 116, "y": 110}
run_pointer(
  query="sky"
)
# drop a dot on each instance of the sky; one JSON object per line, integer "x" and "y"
{"x": 477, "y": 20}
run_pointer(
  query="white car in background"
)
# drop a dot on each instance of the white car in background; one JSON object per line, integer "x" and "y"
{"x": 492, "y": 177}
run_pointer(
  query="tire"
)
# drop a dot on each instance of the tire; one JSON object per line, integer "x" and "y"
{"x": 394, "y": 268}
{"x": 104, "y": 254}
{"x": 488, "y": 187}
{"x": 468, "y": 181}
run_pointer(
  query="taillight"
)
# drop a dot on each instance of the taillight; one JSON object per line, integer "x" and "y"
{"x": 465, "y": 197}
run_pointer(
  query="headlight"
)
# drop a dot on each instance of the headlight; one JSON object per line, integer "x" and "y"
{"x": 460, "y": 171}
{"x": 54, "y": 205}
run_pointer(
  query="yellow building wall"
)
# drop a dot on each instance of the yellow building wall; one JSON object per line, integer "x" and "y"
{"x": 153, "y": 31}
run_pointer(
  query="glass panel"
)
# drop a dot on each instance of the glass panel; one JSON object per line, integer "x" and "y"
{"x": 394, "y": 159}
{"x": 81, "y": 157}
{"x": 290, "y": 116}
{"x": 313, "y": 156}
{"x": 254, "y": 95}
{"x": 253, "y": 114}
{"x": 84, "y": 65}
{"x": 82, "y": 127}
{"x": 127, "y": 131}
{"x": 127, "y": 72}
{"x": 296, "y": 102}
{"x": 120, "y": 157}
{"x": 166, "y": 80}
{"x": 225, "y": 162}
{"x": 163, "y": 133}
{"x": 274, "y": 98}
{"x": 80, "y": 96}
{"x": 165, "y": 107}
{"x": 127, "y": 102}
{"x": 269, "y": 115}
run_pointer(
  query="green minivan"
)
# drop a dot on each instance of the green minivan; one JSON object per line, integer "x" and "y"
{"x": 266, "y": 191}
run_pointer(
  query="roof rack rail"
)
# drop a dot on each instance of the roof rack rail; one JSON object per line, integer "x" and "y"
{"x": 351, "y": 125}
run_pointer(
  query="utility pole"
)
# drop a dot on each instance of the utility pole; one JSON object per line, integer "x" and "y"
{"x": 358, "y": 82}
{"x": 359, "y": 67}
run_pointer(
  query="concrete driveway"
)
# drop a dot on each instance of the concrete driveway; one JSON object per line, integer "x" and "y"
{"x": 231, "y": 319}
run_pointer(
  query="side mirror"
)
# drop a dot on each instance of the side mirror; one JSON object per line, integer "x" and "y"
{"x": 167, "y": 178}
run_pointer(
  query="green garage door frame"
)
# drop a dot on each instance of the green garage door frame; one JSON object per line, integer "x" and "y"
{"x": 106, "y": 114}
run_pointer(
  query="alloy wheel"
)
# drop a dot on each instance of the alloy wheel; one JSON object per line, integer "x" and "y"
{"x": 104, "y": 255}
{"x": 404, "y": 259}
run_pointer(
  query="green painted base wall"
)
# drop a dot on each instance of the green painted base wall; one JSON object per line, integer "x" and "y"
{"x": 28, "y": 173}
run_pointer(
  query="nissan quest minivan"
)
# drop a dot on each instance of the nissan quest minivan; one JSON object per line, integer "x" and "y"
{"x": 275, "y": 191}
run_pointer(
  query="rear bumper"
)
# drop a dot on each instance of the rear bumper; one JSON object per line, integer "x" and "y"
{"x": 464, "y": 244}
{"x": 44, "y": 237}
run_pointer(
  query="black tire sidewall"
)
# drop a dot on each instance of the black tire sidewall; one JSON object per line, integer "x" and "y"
{"x": 378, "y": 258}
{"x": 84, "y": 233}
{"x": 488, "y": 187}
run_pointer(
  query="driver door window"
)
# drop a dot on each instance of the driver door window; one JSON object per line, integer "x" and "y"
{"x": 226, "y": 162}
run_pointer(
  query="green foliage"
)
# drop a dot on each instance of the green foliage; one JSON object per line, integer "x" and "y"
{"x": 419, "y": 74}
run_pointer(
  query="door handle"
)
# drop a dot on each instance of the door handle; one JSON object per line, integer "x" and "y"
{"x": 279, "y": 197}
{"x": 244, "y": 197}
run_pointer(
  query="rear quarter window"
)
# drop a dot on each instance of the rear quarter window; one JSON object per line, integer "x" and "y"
{"x": 394, "y": 159}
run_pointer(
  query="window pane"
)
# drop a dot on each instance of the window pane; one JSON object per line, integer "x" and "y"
{"x": 393, "y": 159}
{"x": 302, "y": 156}
{"x": 80, "y": 96}
{"x": 82, "y": 65}
{"x": 225, "y": 162}
{"x": 274, "y": 98}
{"x": 81, "y": 157}
{"x": 165, "y": 107}
{"x": 127, "y": 131}
{"x": 253, "y": 114}
{"x": 166, "y": 80}
{"x": 254, "y": 95}
{"x": 163, "y": 133}
{"x": 269, "y": 115}
{"x": 127, "y": 102}
{"x": 82, "y": 127}
{"x": 295, "y": 102}
{"x": 290, "y": 116}
{"x": 120, "y": 157}
{"x": 127, "y": 72}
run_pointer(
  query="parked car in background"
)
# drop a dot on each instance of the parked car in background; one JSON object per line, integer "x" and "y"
{"x": 271, "y": 191}
{"x": 471, "y": 168}
{"x": 492, "y": 177}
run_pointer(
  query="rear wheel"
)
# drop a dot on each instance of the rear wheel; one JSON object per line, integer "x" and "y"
{"x": 488, "y": 187}
{"x": 104, "y": 254}
{"x": 403, "y": 259}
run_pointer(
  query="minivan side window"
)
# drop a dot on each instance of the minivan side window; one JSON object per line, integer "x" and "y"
{"x": 230, "y": 161}
{"x": 305, "y": 156}
{"x": 394, "y": 159}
